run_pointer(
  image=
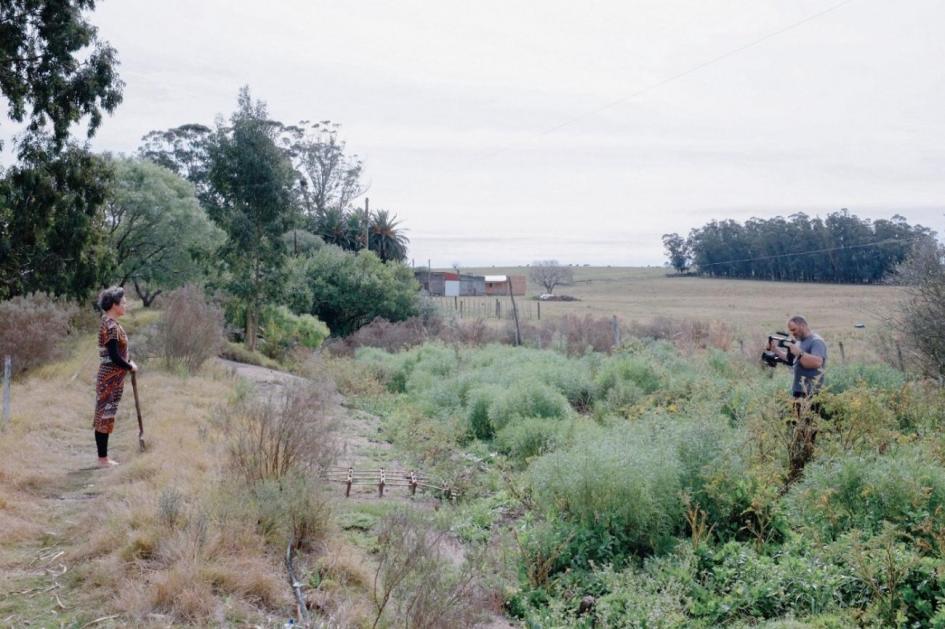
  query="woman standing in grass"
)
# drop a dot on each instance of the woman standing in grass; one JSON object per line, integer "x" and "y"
{"x": 113, "y": 352}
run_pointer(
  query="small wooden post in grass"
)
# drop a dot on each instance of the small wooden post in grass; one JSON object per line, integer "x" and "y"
{"x": 461, "y": 309}
{"x": 539, "y": 311}
{"x": 616, "y": 326}
{"x": 381, "y": 483}
{"x": 413, "y": 483}
{"x": 518, "y": 330}
{"x": 498, "y": 309}
{"x": 902, "y": 363}
{"x": 349, "y": 480}
{"x": 7, "y": 375}
{"x": 843, "y": 354}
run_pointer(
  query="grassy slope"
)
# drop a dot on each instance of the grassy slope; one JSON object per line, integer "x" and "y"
{"x": 78, "y": 543}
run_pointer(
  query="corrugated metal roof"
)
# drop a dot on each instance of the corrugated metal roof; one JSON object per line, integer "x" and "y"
{"x": 497, "y": 278}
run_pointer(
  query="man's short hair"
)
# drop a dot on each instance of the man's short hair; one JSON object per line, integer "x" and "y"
{"x": 798, "y": 320}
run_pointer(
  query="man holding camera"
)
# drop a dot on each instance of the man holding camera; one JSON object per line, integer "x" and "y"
{"x": 809, "y": 357}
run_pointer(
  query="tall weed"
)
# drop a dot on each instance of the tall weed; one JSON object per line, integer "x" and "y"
{"x": 33, "y": 328}
{"x": 191, "y": 329}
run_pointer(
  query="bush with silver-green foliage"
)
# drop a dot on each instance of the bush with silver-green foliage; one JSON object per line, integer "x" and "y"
{"x": 283, "y": 331}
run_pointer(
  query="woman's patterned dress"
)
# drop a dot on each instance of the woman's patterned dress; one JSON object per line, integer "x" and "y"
{"x": 111, "y": 378}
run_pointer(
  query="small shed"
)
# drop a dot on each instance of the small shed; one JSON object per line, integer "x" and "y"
{"x": 498, "y": 285}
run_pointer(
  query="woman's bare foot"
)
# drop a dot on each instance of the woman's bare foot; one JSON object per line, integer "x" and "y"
{"x": 106, "y": 462}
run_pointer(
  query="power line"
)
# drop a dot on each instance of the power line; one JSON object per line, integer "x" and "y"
{"x": 804, "y": 253}
{"x": 680, "y": 75}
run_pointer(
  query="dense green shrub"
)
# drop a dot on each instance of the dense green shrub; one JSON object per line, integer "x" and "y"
{"x": 635, "y": 369}
{"x": 477, "y": 410}
{"x": 876, "y": 376}
{"x": 903, "y": 487}
{"x": 527, "y": 399}
{"x": 619, "y": 488}
{"x": 284, "y": 331}
{"x": 529, "y": 437}
{"x": 349, "y": 290}
{"x": 734, "y": 582}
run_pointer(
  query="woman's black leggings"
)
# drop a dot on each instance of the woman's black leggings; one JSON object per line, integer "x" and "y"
{"x": 101, "y": 442}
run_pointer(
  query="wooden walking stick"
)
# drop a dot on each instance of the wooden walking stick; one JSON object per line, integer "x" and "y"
{"x": 134, "y": 387}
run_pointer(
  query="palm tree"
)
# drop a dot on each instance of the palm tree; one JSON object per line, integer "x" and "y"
{"x": 334, "y": 226}
{"x": 387, "y": 238}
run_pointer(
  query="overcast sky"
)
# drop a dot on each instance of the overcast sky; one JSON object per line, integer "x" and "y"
{"x": 452, "y": 105}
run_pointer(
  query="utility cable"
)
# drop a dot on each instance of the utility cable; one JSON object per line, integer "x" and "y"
{"x": 684, "y": 73}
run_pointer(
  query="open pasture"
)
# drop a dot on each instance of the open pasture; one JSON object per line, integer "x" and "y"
{"x": 751, "y": 308}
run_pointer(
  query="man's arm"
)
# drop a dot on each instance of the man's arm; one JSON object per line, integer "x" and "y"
{"x": 813, "y": 359}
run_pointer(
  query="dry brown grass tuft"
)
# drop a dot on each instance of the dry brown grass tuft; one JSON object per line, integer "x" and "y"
{"x": 191, "y": 328}
{"x": 287, "y": 433}
{"x": 33, "y": 328}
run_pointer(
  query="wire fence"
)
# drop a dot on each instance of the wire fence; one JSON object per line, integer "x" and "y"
{"x": 498, "y": 308}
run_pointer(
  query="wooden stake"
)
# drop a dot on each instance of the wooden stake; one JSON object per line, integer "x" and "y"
{"x": 518, "y": 330}
{"x": 7, "y": 375}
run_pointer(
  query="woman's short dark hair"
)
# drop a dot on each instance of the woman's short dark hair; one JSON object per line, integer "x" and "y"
{"x": 109, "y": 297}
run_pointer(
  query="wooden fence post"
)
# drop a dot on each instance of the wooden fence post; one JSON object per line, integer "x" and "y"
{"x": 843, "y": 354}
{"x": 349, "y": 480}
{"x": 381, "y": 483}
{"x": 902, "y": 363}
{"x": 518, "y": 330}
{"x": 7, "y": 375}
{"x": 498, "y": 309}
{"x": 539, "y": 311}
{"x": 616, "y": 326}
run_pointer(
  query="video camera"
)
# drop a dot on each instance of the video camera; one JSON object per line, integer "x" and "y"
{"x": 784, "y": 341}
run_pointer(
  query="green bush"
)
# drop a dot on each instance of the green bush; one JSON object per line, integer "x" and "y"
{"x": 527, "y": 399}
{"x": 875, "y": 376}
{"x": 528, "y": 437}
{"x": 620, "y": 488}
{"x": 635, "y": 369}
{"x": 477, "y": 411}
{"x": 862, "y": 492}
{"x": 736, "y": 583}
{"x": 349, "y": 290}
{"x": 284, "y": 331}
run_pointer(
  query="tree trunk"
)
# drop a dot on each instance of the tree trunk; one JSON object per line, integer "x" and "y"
{"x": 251, "y": 325}
{"x": 147, "y": 298}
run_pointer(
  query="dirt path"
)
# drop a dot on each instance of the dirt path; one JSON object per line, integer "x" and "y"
{"x": 362, "y": 449}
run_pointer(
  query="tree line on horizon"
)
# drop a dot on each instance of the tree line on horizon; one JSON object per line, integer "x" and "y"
{"x": 842, "y": 248}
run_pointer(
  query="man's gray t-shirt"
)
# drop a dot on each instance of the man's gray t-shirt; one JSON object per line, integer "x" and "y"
{"x": 809, "y": 381}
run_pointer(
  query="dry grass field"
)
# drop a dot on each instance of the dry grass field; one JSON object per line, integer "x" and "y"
{"x": 159, "y": 540}
{"x": 751, "y": 308}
